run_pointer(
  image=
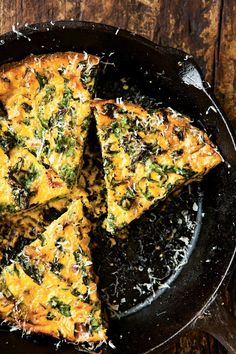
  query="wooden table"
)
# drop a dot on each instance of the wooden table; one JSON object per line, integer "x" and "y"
{"x": 204, "y": 28}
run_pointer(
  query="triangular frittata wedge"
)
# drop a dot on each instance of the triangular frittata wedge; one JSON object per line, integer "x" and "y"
{"x": 50, "y": 287}
{"x": 44, "y": 104}
{"x": 146, "y": 155}
{"x": 25, "y": 182}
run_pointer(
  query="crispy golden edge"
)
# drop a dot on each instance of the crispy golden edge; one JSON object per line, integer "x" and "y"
{"x": 47, "y": 58}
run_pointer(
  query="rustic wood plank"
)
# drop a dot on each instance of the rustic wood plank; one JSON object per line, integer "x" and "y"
{"x": 204, "y": 28}
{"x": 225, "y": 68}
{"x": 196, "y": 343}
{"x": 192, "y": 27}
{"x": 136, "y": 16}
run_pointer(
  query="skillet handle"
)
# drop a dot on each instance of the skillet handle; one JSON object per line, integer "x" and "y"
{"x": 218, "y": 322}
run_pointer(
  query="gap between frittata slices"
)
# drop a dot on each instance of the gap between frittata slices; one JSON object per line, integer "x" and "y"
{"x": 50, "y": 288}
{"x": 146, "y": 155}
{"x": 45, "y": 108}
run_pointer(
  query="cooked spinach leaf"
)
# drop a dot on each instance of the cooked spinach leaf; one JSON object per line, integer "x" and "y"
{"x": 56, "y": 266}
{"x": 69, "y": 174}
{"x": 30, "y": 269}
{"x": 63, "y": 308}
{"x": 42, "y": 80}
{"x": 50, "y": 316}
{"x": 50, "y": 90}
{"x": 29, "y": 176}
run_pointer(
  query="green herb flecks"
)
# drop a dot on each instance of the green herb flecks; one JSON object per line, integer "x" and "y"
{"x": 78, "y": 255}
{"x": 50, "y": 316}
{"x": 187, "y": 173}
{"x": 177, "y": 154}
{"x": 42, "y": 239}
{"x": 49, "y": 94}
{"x": 66, "y": 144}
{"x": 95, "y": 324}
{"x": 109, "y": 109}
{"x": 111, "y": 222}
{"x": 30, "y": 269}
{"x": 16, "y": 270}
{"x": 42, "y": 80}
{"x": 28, "y": 177}
{"x": 152, "y": 110}
{"x": 26, "y": 121}
{"x": 59, "y": 243}
{"x": 87, "y": 74}
{"x": 85, "y": 124}
{"x": 180, "y": 171}
{"x": 7, "y": 141}
{"x": 107, "y": 165}
{"x": 67, "y": 96}
{"x": 69, "y": 174}
{"x": 144, "y": 189}
{"x": 7, "y": 208}
{"x": 41, "y": 117}
{"x": 83, "y": 297}
{"x": 63, "y": 308}
{"x": 56, "y": 266}
{"x": 128, "y": 199}
{"x": 21, "y": 196}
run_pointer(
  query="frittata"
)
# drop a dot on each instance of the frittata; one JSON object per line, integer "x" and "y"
{"x": 45, "y": 107}
{"x": 50, "y": 287}
{"x": 49, "y": 177}
{"x": 23, "y": 227}
{"x": 146, "y": 155}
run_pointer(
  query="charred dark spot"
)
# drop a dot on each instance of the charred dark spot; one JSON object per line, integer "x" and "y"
{"x": 109, "y": 109}
{"x": 52, "y": 214}
{"x": 165, "y": 116}
{"x": 179, "y": 133}
{"x": 26, "y": 107}
{"x": 3, "y": 112}
{"x": 177, "y": 153}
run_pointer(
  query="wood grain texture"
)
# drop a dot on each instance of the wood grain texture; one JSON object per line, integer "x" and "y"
{"x": 204, "y": 28}
{"x": 225, "y": 70}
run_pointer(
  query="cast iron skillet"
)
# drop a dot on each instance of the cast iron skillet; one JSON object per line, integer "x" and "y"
{"x": 172, "y": 77}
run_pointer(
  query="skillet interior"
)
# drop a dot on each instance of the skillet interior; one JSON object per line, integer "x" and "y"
{"x": 175, "y": 81}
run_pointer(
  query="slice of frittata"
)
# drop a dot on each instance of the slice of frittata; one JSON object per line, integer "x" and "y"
{"x": 50, "y": 288}
{"x": 44, "y": 105}
{"x": 146, "y": 156}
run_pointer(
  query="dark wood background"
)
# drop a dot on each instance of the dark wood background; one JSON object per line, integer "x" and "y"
{"x": 204, "y": 28}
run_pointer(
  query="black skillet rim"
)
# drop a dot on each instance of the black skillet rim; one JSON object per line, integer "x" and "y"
{"x": 90, "y": 26}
